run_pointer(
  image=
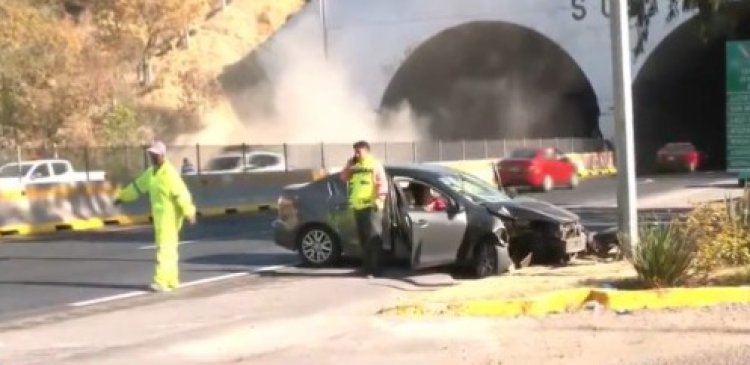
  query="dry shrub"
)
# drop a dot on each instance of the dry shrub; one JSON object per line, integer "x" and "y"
{"x": 721, "y": 232}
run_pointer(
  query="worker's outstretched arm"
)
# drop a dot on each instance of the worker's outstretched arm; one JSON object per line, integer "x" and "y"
{"x": 136, "y": 188}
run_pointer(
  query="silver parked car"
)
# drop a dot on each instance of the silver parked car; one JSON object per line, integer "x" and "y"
{"x": 434, "y": 216}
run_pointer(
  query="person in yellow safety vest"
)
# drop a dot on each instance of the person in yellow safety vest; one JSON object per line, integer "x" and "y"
{"x": 171, "y": 203}
{"x": 367, "y": 188}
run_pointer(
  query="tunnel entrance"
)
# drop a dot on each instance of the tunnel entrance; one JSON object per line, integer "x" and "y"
{"x": 495, "y": 80}
{"x": 679, "y": 93}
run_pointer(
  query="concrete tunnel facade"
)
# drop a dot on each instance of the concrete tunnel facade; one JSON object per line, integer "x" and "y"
{"x": 479, "y": 61}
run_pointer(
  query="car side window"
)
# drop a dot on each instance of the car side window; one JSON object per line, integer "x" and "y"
{"x": 60, "y": 168}
{"x": 41, "y": 171}
{"x": 263, "y": 160}
{"x": 423, "y": 197}
{"x": 338, "y": 187}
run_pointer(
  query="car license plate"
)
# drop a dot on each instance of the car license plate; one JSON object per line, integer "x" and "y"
{"x": 670, "y": 158}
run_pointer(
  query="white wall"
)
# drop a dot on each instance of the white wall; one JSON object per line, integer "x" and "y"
{"x": 369, "y": 39}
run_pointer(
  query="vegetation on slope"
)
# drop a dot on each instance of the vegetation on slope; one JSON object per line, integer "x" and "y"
{"x": 104, "y": 72}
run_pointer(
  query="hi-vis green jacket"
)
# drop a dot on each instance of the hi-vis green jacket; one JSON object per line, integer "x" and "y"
{"x": 171, "y": 200}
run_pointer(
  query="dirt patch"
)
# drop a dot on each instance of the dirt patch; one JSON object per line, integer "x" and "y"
{"x": 533, "y": 280}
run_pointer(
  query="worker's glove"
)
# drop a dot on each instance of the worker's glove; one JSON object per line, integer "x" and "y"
{"x": 190, "y": 219}
{"x": 117, "y": 202}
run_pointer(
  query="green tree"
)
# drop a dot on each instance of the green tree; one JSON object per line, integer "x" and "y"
{"x": 120, "y": 126}
{"x": 643, "y": 11}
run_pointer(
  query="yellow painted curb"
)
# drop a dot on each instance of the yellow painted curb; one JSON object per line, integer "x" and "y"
{"x": 571, "y": 300}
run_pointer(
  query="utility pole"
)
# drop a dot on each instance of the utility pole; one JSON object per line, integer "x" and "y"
{"x": 324, "y": 22}
{"x": 627, "y": 208}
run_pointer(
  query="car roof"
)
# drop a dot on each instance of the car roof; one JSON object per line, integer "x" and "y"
{"x": 418, "y": 169}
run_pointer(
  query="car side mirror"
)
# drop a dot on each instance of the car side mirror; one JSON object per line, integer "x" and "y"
{"x": 454, "y": 208}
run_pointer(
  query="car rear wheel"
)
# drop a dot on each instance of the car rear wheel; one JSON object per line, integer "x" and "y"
{"x": 318, "y": 246}
{"x": 491, "y": 259}
{"x": 547, "y": 183}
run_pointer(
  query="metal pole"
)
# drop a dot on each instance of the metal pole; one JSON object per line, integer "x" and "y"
{"x": 440, "y": 150}
{"x": 414, "y": 152}
{"x": 86, "y": 161}
{"x": 18, "y": 161}
{"x": 486, "y": 149}
{"x": 198, "y": 158}
{"x": 627, "y": 213}
{"x": 385, "y": 152}
{"x": 244, "y": 158}
{"x": 324, "y": 22}
{"x": 463, "y": 149}
{"x": 322, "y": 155}
{"x": 286, "y": 157}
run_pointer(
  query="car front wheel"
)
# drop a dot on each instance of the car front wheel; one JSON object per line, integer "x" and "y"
{"x": 491, "y": 259}
{"x": 318, "y": 246}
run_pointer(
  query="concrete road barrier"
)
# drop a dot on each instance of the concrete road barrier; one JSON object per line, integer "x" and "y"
{"x": 47, "y": 208}
{"x": 594, "y": 163}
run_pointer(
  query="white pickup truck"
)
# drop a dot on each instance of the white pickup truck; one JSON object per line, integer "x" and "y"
{"x": 43, "y": 172}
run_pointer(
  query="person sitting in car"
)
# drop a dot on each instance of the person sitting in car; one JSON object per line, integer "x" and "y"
{"x": 426, "y": 198}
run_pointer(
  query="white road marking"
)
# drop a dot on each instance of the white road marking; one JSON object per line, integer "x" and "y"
{"x": 151, "y": 247}
{"x": 270, "y": 268}
{"x": 213, "y": 279}
{"x": 108, "y": 298}
{"x": 137, "y": 293}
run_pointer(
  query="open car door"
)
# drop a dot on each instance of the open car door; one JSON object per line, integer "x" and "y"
{"x": 434, "y": 236}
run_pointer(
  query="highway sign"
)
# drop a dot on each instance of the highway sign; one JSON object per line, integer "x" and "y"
{"x": 738, "y": 105}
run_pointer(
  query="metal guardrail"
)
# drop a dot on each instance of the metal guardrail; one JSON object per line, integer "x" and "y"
{"x": 125, "y": 162}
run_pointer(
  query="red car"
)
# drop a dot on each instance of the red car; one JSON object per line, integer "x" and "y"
{"x": 541, "y": 169}
{"x": 679, "y": 156}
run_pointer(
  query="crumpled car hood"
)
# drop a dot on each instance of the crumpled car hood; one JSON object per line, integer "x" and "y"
{"x": 525, "y": 208}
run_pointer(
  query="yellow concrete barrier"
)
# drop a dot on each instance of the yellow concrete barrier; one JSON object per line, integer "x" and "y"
{"x": 48, "y": 208}
{"x": 571, "y": 300}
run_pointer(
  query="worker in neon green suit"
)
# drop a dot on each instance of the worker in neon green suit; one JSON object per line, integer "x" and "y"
{"x": 171, "y": 203}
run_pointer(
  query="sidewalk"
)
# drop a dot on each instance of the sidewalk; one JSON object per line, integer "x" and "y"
{"x": 330, "y": 320}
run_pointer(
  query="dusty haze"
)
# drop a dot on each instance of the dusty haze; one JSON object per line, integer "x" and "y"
{"x": 309, "y": 100}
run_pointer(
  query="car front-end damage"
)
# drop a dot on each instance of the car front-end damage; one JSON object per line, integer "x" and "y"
{"x": 543, "y": 233}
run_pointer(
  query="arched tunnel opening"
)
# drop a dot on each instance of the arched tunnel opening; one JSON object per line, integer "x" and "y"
{"x": 679, "y": 93}
{"x": 495, "y": 80}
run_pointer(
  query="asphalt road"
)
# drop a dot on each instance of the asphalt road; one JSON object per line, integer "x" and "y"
{"x": 71, "y": 268}
{"x": 80, "y": 268}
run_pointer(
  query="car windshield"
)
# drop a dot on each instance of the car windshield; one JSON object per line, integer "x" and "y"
{"x": 523, "y": 154}
{"x": 474, "y": 188}
{"x": 225, "y": 163}
{"x": 13, "y": 170}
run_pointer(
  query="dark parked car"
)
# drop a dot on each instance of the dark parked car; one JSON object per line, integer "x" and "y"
{"x": 681, "y": 156}
{"x": 435, "y": 216}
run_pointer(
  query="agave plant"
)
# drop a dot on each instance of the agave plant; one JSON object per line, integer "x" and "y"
{"x": 664, "y": 254}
